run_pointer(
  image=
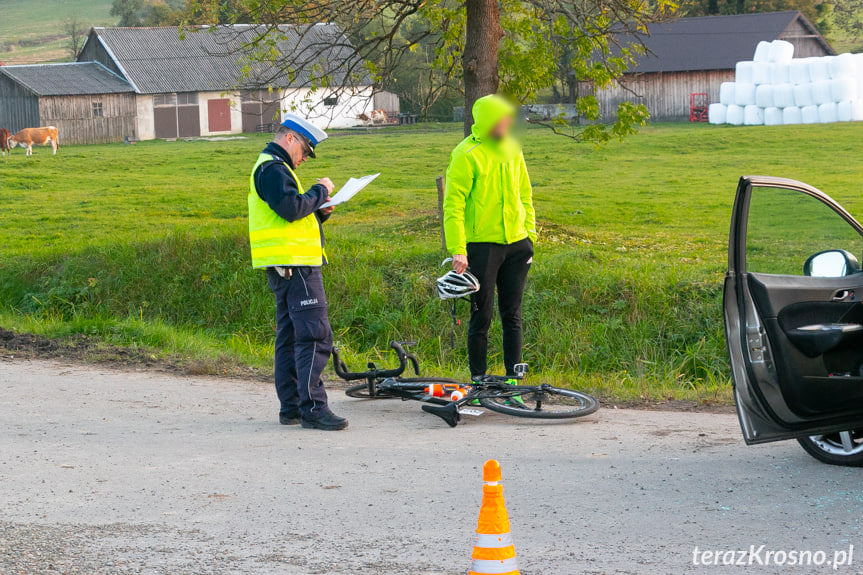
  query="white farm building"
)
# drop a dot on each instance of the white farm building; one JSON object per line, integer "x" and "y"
{"x": 204, "y": 85}
{"x": 149, "y": 83}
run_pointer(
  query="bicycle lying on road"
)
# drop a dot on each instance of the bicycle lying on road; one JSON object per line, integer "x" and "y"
{"x": 449, "y": 398}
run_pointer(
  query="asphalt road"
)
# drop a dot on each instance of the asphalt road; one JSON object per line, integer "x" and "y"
{"x": 103, "y": 471}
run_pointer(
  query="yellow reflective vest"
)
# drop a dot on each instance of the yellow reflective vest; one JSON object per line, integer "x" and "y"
{"x": 276, "y": 241}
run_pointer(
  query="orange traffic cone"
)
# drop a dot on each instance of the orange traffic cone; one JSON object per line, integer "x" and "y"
{"x": 493, "y": 550}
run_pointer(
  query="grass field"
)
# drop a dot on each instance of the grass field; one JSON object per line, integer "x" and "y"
{"x": 146, "y": 245}
{"x": 31, "y": 31}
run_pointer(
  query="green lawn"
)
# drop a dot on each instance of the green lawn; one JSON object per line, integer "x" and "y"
{"x": 32, "y": 30}
{"x": 145, "y": 245}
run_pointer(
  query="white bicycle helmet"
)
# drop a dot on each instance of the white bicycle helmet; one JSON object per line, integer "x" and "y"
{"x": 452, "y": 285}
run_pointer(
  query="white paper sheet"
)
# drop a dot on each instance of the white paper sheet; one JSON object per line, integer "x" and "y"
{"x": 350, "y": 189}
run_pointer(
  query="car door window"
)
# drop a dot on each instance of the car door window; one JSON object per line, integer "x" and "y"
{"x": 786, "y": 226}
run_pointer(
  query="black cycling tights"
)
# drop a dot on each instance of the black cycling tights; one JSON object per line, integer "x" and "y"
{"x": 506, "y": 267}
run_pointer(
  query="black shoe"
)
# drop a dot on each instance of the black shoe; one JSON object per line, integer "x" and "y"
{"x": 289, "y": 418}
{"x": 326, "y": 421}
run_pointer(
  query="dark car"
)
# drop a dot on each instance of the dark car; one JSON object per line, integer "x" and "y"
{"x": 794, "y": 318}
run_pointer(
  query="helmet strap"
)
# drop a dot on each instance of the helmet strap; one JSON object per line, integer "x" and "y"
{"x": 455, "y": 323}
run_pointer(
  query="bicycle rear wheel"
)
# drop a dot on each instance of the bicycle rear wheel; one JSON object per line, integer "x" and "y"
{"x": 543, "y": 402}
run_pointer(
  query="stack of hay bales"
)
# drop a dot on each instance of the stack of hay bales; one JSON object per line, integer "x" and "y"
{"x": 775, "y": 88}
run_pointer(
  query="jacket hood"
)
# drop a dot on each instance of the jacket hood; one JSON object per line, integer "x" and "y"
{"x": 487, "y": 112}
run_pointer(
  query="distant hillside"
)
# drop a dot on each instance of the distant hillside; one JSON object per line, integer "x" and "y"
{"x": 32, "y": 30}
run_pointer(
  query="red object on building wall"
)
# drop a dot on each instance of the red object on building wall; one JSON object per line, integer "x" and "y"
{"x": 698, "y": 105}
{"x": 219, "y": 115}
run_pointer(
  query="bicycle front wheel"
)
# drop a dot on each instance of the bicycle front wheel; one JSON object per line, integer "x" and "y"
{"x": 544, "y": 402}
{"x": 361, "y": 391}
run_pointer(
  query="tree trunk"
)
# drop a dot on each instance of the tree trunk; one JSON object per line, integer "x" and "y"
{"x": 741, "y": 6}
{"x": 713, "y": 7}
{"x": 479, "y": 61}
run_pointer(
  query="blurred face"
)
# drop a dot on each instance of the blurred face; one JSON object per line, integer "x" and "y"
{"x": 296, "y": 148}
{"x": 501, "y": 129}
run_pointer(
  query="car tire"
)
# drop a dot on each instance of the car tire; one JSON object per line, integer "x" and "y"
{"x": 845, "y": 448}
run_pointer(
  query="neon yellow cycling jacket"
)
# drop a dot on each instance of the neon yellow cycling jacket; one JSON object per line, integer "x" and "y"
{"x": 488, "y": 195}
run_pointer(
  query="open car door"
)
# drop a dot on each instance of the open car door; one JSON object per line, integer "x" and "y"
{"x": 794, "y": 311}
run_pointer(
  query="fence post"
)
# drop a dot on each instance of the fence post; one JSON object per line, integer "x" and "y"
{"x": 441, "y": 186}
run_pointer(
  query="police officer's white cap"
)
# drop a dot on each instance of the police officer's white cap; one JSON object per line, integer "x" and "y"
{"x": 306, "y": 129}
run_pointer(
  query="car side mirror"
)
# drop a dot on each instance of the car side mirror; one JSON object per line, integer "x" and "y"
{"x": 831, "y": 264}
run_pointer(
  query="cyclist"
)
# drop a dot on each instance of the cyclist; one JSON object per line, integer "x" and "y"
{"x": 490, "y": 227}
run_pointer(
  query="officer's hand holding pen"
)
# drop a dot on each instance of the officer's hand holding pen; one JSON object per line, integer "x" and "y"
{"x": 328, "y": 184}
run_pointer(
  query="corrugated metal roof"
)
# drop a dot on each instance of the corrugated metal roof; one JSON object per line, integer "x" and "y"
{"x": 157, "y": 60}
{"x": 71, "y": 79}
{"x": 713, "y": 42}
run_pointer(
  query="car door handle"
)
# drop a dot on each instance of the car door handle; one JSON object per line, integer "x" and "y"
{"x": 843, "y": 295}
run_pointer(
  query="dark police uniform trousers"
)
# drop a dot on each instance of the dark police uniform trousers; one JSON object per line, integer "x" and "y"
{"x": 304, "y": 340}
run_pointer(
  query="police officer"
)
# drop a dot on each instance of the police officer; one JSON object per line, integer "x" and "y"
{"x": 287, "y": 239}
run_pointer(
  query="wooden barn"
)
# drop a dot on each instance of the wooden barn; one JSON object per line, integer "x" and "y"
{"x": 85, "y": 101}
{"x": 695, "y": 55}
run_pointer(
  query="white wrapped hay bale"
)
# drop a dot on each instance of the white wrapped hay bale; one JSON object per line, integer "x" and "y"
{"x": 809, "y": 114}
{"x": 780, "y": 51}
{"x": 858, "y": 64}
{"x": 716, "y": 113}
{"x": 764, "y": 96}
{"x": 753, "y": 116}
{"x": 819, "y": 68}
{"x": 827, "y": 113}
{"x": 783, "y": 96}
{"x": 744, "y": 94}
{"x": 772, "y": 117}
{"x": 734, "y": 115}
{"x": 726, "y": 93}
{"x": 780, "y": 73}
{"x": 842, "y": 65}
{"x": 821, "y": 92}
{"x": 762, "y": 52}
{"x": 843, "y": 88}
{"x": 761, "y": 72}
{"x": 791, "y": 116}
{"x": 850, "y": 111}
{"x": 744, "y": 72}
{"x": 799, "y": 71}
{"x": 844, "y": 110}
{"x": 803, "y": 95}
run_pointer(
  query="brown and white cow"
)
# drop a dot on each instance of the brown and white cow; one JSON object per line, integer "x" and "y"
{"x": 4, "y": 144}
{"x": 379, "y": 116}
{"x": 28, "y": 137}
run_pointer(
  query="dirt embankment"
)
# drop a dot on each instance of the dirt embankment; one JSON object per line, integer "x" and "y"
{"x": 81, "y": 348}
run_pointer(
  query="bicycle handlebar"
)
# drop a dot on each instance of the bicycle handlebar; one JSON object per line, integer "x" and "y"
{"x": 373, "y": 372}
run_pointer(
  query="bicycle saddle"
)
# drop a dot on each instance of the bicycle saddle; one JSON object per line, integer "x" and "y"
{"x": 448, "y": 413}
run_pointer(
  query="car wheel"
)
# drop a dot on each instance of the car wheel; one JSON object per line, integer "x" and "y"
{"x": 843, "y": 448}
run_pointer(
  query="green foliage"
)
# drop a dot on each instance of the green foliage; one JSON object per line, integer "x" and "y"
{"x": 846, "y": 16}
{"x": 813, "y": 9}
{"x": 148, "y": 12}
